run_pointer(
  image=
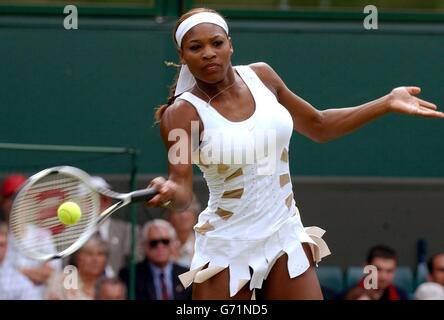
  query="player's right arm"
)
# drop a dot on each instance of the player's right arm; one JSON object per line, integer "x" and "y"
{"x": 175, "y": 130}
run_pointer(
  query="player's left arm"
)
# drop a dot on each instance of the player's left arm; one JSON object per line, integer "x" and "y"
{"x": 329, "y": 124}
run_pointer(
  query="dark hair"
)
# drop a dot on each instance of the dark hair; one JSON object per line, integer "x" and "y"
{"x": 381, "y": 251}
{"x": 431, "y": 262}
{"x": 171, "y": 98}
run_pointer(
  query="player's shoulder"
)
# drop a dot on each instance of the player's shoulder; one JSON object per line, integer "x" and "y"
{"x": 261, "y": 67}
{"x": 267, "y": 75}
{"x": 265, "y": 72}
{"x": 179, "y": 114}
{"x": 182, "y": 106}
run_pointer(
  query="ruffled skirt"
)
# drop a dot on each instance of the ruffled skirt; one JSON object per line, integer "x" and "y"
{"x": 259, "y": 255}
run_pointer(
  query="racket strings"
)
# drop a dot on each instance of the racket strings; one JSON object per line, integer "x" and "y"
{"x": 34, "y": 222}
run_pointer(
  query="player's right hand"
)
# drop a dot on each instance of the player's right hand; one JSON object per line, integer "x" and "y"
{"x": 166, "y": 190}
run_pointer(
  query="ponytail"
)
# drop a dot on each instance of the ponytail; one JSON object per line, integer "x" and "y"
{"x": 161, "y": 108}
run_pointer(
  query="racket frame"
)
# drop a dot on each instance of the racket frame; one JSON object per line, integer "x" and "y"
{"x": 123, "y": 199}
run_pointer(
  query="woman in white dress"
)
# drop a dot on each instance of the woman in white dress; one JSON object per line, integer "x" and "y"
{"x": 235, "y": 123}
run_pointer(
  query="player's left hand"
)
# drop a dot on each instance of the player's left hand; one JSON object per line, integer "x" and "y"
{"x": 403, "y": 100}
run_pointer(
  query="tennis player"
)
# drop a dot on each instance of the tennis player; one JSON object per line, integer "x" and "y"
{"x": 250, "y": 236}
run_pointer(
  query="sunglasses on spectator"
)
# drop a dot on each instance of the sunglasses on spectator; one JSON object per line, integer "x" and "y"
{"x": 154, "y": 243}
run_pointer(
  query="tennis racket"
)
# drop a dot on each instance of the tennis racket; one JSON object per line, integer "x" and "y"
{"x": 34, "y": 224}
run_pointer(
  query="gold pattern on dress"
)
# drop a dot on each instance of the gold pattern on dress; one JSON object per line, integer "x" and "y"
{"x": 289, "y": 200}
{"x": 284, "y": 155}
{"x": 235, "y": 174}
{"x": 284, "y": 179}
{"x": 222, "y": 168}
{"x": 233, "y": 194}
{"x": 204, "y": 228}
{"x": 224, "y": 214}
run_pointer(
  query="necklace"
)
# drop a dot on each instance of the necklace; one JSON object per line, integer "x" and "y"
{"x": 211, "y": 98}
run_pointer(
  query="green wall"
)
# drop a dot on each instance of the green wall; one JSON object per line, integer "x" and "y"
{"x": 99, "y": 85}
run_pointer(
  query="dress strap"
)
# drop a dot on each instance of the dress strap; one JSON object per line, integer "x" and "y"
{"x": 251, "y": 79}
{"x": 198, "y": 103}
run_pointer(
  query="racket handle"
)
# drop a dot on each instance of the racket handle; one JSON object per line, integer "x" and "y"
{"x": 143, "y": 195}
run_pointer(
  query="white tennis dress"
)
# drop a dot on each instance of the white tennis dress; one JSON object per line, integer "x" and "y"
{"x": 251, "y": 218}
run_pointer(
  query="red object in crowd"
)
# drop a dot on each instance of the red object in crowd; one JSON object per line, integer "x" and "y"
{"x": 11, "y": 185}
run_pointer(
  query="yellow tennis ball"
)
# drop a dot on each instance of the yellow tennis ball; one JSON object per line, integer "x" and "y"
{"x": 69, "y": 212}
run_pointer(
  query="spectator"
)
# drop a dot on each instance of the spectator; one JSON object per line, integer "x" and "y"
{"x": 429, "y": 291}
{"x": 157, "y": 276}
{"x": 13, "y": 284}
{"x": 434, "y": 288}
{"x": 385, "y": 260}
{"x": 36, "y": 271}
{"x": 117, "y": 233}
{"x": 90, "y": 262}
{"x": 435, "y": 266}
{"x": 183, "y": 222}
{"x": 111, "y": 289}
{"x": 11, "y": 184}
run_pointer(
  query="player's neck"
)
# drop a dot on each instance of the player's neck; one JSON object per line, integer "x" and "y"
{"x": 212, "y": 89}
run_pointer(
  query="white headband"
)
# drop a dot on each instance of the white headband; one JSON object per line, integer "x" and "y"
{"x": 186, "y": 80}
{"x": 198, "y": 18}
